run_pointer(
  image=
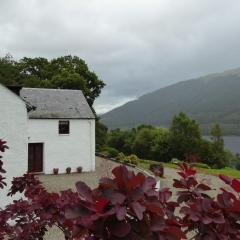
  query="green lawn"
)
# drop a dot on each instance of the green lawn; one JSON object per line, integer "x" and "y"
{"x": 146, "y": 163}
{"x": 226, "y": 171}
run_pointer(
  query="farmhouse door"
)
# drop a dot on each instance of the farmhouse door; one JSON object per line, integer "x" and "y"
{"x": 35, "y": 157}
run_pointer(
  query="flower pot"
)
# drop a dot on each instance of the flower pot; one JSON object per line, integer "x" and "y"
{"x": 55, "y": 171}
{"x": 79, "y": 169}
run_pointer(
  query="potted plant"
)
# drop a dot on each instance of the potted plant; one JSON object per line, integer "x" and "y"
{"x": 55, "y": 171}
{"x": 79, "y": 169}
{"x": 68, "y": 170}
{"x": 157, "y": 169}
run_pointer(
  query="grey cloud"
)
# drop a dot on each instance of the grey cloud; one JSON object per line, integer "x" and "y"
{"x": 134, "y": 46}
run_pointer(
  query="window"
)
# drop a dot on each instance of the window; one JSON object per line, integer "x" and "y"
{"x": 63, "y": 127}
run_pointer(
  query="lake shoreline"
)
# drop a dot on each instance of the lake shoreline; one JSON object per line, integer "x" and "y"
{"x": 231, "y": 142}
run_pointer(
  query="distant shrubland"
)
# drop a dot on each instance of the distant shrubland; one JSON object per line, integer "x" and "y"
{"x": 182, "y": 141}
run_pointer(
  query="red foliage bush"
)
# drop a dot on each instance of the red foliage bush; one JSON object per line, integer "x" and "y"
{"x": 126, "y": 206}
{"x": 209, "y": 218}
{"x": 157, "y": 169}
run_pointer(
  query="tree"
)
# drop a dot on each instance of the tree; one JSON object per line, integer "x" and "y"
{"x": 184, "y": 136}
{"x": 73, "y": 64}
{"x": 9, "y": 74}
{"x": 205, "y": 151}
{"x": 121, "y": 140}
{"x": 216, "y": 136}
{"x": 144, "y": 141}
{"x": 67, "y": 80}
{"x": 160, "y": 149}
{"x": 67, "y": 72}
{"x": 101, "y": 135}
{"x": 219, "y": 159}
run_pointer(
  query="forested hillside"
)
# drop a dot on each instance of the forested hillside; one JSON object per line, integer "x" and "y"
{"x": 209, "y": 99}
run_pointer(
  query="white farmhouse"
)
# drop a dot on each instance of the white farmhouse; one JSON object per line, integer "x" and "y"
{"x": 46, "y": 129}
{"x": 61, "y": 130}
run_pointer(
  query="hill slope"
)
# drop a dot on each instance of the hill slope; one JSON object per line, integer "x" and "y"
{"x": 209, "y": 99}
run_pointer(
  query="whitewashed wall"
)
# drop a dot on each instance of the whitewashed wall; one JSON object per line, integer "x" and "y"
{"x": 13, "y": 129}
{"x": 62, "y": 151}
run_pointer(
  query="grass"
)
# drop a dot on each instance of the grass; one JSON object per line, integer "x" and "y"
{"x": 226, "y": 171}
{"x": 146, "y": 163}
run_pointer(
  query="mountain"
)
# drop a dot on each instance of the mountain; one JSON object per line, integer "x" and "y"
{"x": 209, "y": 99}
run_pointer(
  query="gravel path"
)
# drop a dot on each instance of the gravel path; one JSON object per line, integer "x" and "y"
{"x": 57, "y": 183}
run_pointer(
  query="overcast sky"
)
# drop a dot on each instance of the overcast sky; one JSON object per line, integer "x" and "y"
{"x": 135, "y": 46}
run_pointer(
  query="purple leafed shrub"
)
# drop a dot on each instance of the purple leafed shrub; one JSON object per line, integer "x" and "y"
{"x": 125, "y": 206}
{"x": 157, "y": 169}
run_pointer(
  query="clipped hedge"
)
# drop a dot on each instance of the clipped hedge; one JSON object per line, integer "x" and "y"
{"x": 132, "y": 159}
{"x": 121, "y": 157}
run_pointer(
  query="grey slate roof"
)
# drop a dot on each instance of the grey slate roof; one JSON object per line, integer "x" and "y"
{"x": 57, "y": 103}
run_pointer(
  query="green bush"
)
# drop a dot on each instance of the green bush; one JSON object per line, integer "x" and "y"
{"x": 132, "y": 159}
{"x": 176, "y": 161}
{"x": 237, "y": 166}
{"x": 199, "y": 165}
{"x": 98, "y": 148}
{"x": 236, "y": 163}
{"x": 111, "y": 152}
{"x": 126, "y": 161}
{"x": 121, "y": 157}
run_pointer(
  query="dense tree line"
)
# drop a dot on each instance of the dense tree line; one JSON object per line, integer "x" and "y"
{"x": 183, "y": 140}
{"x": 66, "y": 72}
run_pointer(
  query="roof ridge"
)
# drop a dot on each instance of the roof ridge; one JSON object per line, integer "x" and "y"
{"x": 52, "y": 89}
